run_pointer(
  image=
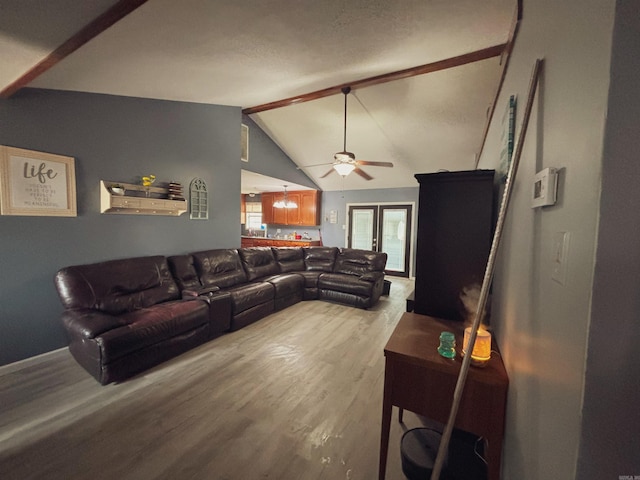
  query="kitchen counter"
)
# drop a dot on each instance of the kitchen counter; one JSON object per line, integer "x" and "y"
{"x": 248, "y": 241}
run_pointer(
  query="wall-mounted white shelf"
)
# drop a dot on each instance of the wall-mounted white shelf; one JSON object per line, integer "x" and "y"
{"x": 135, "y": 200}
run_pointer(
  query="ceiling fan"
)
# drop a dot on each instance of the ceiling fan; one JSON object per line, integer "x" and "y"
{"x": 345, "y": 162}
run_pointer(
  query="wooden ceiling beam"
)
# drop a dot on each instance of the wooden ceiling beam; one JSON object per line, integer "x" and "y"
{"x": 485, "y": 53}
{"x": 118, "y": 11}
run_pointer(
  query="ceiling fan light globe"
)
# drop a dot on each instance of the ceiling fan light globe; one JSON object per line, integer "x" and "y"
{"x": 344, "y": 169}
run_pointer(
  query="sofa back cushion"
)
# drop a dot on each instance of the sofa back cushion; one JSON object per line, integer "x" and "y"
{"x": 290, "y": 259}
{"x": 184, "y": 272}
{"x": 320, "y": 258}
{"x": 117, "y": 286}
{"x": 258, "y": 262}
{"x": 221, "y": 268}
{"x": 358, "y": 262}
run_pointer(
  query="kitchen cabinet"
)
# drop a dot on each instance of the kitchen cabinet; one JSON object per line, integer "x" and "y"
{"x": 306, "y": 215}
{"x": 281, "y": 215}
{"x": 267, "y": 207}
{"x": 243, "y": 208}
{"x": 276, "y": 242}
{"x": 310, "y": 207}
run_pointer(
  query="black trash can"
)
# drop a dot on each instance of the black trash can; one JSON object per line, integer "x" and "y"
{"x": 465, "y": 459}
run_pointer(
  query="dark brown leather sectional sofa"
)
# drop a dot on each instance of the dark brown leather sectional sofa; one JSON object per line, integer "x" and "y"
{"x": 125, "y": 316}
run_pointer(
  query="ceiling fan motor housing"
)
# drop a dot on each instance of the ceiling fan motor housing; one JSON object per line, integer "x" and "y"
{"x": 345, "y": 157}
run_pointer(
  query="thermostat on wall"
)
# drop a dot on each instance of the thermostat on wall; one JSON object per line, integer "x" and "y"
{"x": 545, "y": 187}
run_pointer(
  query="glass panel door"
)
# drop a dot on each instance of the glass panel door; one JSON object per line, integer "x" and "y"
{"x": 394, "y": 237}
{"x": 363, "y": 225}
{"x": 384, "y": 228}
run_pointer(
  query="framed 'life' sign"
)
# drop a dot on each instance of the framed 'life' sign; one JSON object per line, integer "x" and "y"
{"x": 36, "y": 183}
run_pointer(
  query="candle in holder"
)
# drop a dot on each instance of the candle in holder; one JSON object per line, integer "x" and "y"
{"x": 481, "y": 348}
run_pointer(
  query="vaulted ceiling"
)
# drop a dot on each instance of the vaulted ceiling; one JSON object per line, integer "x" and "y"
{"x": 253, "y": 53}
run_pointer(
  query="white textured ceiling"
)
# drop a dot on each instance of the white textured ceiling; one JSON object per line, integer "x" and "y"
{"x": 254, "y": 52}
{"x": 256, "y": 183}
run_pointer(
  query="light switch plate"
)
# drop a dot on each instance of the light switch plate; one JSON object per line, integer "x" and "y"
{"x": 560, "y": 257}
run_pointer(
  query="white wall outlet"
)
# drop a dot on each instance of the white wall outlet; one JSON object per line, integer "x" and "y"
{"x": 560, "y": 257}
{"x": 278, "y": 230}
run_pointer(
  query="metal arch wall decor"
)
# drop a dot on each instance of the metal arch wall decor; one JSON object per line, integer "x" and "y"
{"x": 198, "y": 200}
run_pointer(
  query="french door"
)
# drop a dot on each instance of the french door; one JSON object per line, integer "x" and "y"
{"x": 383, "y": 228}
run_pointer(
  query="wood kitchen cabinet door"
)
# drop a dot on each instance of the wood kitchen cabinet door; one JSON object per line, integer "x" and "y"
{"x": 267, "y": 207}
{"x": 306, "y": 215}
{"x": 309, "y": 208}
{"x": 243, "y": 208}
{"x": 279, "y": 214}
{"x": 293, "y": 214}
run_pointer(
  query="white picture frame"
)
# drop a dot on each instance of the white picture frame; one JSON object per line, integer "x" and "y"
{"x": 36, "y": 183}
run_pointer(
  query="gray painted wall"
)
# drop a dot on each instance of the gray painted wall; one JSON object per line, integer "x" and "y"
{"x": 542, "y": 326}
{"x": 111, "y": 138}
{"x": 610, "y": 444}
{"x": 120, "y": 139}
{"x": 267, "y": 158}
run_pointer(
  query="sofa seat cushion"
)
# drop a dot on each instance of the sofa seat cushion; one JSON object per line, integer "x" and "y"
{"x": 285, "y": 284}
{"x": 340, "y": 282}
{"x": 152, "y": 325}
{"x": 250, "y": 295}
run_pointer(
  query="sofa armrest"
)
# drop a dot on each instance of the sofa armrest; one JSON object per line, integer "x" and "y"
{"x": 372, "y": 276}
{"x": 87, "y": 323}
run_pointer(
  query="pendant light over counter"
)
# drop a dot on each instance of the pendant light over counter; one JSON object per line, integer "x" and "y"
{"x": 285, "y": 203}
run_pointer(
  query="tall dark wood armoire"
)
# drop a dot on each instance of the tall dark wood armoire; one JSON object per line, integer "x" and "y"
{"x": 455, "y": 229}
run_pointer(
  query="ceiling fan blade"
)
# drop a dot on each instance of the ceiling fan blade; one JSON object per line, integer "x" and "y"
{"x": 329, "y": 172}
{"x": 363, "y": 174}
{"x": 300, "y": 167}
{"x": 374, "y": 164}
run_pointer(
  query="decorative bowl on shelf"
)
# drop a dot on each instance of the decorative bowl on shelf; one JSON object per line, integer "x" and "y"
{"x": 117, "y": 190}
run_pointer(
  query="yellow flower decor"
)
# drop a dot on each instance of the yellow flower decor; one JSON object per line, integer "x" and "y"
{"x": 148, "y": 181}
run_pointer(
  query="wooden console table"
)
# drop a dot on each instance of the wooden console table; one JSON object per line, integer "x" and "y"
{"x": 418, "y": 379}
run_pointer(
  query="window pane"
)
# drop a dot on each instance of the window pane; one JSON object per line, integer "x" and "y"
{"x": 394, "y": 224}
{"x": 362, "y": 230}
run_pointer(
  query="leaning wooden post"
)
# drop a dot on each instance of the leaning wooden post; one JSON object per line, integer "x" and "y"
{"x": 488, "y": 275}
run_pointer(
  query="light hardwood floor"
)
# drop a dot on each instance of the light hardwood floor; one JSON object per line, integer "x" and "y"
{"x": 297, "y": 395}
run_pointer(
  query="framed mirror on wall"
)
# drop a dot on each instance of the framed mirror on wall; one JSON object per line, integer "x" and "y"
{"x": 198, "y": 200}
